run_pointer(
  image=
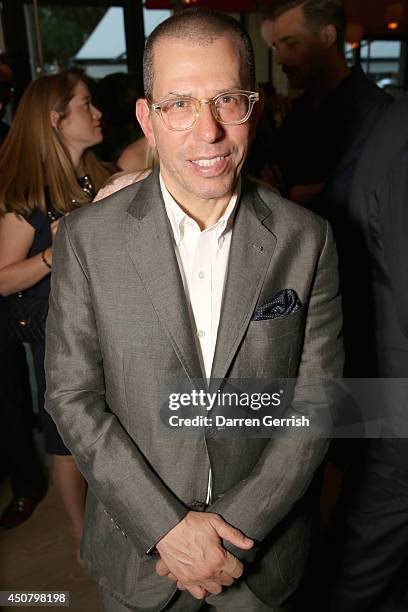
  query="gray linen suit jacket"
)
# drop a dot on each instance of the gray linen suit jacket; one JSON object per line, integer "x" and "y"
{"x": 118, "y": 323}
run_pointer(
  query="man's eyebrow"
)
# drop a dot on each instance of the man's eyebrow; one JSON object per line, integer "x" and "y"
{"x": 190, "y": 95}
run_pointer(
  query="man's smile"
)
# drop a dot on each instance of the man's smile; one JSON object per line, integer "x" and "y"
{"x": 208, "y": 161}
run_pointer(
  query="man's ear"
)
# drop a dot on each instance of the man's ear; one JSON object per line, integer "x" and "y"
{"x": 55, "y": 119}
{"x": 329, "y": 36}
{"x": 145, "y": 120}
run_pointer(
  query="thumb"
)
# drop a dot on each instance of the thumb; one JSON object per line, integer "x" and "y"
{"x": 161, "y": 568}
{"x": 233, "y": 535}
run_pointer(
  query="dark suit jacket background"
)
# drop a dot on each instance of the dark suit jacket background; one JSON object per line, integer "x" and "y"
{"x": 379, "y": 223}
{"x": 324, "y": 144}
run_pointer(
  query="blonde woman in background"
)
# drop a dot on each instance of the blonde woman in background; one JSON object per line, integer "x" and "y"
{"x": 47, "y": 171}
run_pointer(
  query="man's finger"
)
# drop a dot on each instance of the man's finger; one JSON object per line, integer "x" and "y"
{"x": 233, "y": 535}
{"x": 224, "y": 579}
{"x": 161, "y": 568}
{"x": 212, "y": 587}
{"x": 233, "y": 566}
{"x": 196, "y": 591}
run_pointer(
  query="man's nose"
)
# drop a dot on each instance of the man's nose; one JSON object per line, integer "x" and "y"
{"x": 208, "y": 128}
{"x": 279, "y": 55}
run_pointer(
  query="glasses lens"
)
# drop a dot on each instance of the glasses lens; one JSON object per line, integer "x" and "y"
{"x": 179, "y": 114}
{"x": 232, "y": 108}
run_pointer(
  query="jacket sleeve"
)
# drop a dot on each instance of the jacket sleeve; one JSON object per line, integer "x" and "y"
{"x": 117, "y": 472}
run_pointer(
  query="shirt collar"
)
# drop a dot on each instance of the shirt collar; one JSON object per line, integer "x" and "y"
{"x": 178, "y": 217}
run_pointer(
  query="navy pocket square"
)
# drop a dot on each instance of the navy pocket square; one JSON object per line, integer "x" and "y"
{"x": 282, "y": 304}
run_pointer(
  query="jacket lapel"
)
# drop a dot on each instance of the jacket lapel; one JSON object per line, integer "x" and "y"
{"x": 252, "y": 248}
{"x": 151, "y": 249}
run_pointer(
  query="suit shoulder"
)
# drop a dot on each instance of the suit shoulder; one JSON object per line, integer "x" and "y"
{"x": 107, "y": 211}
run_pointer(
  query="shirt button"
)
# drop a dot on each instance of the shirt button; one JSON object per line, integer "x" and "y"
{"x": 200, "y": 333}
{"x": 201, "y": 275}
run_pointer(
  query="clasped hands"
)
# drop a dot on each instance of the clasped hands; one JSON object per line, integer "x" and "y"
{"x": 192, "y": 555}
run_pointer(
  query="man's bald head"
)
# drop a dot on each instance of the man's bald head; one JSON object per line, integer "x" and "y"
{"x": 199, "y": 27}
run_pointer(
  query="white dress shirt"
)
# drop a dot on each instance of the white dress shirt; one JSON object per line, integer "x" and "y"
{"x": 203, "y": 261}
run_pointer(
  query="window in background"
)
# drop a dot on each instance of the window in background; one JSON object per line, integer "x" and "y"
{"x": 381, "y": 60}
{"x": 104, "y": 50}
{"x": 91, "y": 37}
{"x": 152, "y": 18}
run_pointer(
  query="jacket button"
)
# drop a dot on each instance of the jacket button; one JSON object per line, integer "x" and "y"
{"x": 198, "y": 506}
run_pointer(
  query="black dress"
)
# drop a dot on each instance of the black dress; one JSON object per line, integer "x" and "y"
{"x": 41, "y": 222}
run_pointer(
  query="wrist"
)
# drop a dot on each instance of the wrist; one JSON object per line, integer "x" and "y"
{"x": 46, "y": 258}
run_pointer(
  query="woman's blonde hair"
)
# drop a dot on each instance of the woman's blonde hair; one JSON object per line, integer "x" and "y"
{"x": 34, "y": 157}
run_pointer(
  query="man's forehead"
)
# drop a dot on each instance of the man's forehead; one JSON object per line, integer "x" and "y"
{"x": 291, "y": 21}
{"x": 178, "y": 61}
{"x": 166, "y": 44}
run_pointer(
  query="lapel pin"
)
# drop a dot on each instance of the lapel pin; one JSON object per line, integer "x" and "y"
{"x": 258, "y": 247}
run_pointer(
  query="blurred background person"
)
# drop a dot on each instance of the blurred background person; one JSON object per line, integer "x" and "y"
{"x": 123, "y": 141}
{"x": 321, "y": 138}
{"x": 6, "y": 94}
{"x": 371, "y": 530}
{"x": 115, "y": 96}
{"x": 19, "y": 461}
{"x": 18, "y": 456}
{"x": 318, "y": 146}
{"x": 46, "y": 171}
{"x": 263, "y": 148}
{"x": 138, "y": 157}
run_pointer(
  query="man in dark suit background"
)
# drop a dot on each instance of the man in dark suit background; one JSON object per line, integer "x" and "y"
{"x": 374, "y": 522}
{"x": 321, "y": 138}
{"x": 192, "y": 274}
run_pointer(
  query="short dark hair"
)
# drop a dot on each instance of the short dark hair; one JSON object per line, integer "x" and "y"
{"x": 198, "y": 27}
{"x": 317, "y": 13}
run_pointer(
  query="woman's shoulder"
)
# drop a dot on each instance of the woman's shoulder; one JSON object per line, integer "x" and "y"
{"x": 119, "y": 182}
{"x": 36, "y": 218}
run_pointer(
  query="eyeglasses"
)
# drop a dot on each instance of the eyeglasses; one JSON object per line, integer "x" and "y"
{"x": 229, "y": 108}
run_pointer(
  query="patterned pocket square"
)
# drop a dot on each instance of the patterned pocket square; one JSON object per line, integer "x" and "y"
{"x": 282, "y": 304}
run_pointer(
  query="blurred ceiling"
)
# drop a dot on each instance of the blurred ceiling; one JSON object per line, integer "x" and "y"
{"x": 375, "y": 14}
{"x": 372, "y": 14}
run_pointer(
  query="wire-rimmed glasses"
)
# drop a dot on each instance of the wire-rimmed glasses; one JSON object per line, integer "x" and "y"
{"x": 229, "y": 108}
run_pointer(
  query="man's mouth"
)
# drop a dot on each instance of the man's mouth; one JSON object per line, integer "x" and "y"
{"x": 207, "y": 163}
